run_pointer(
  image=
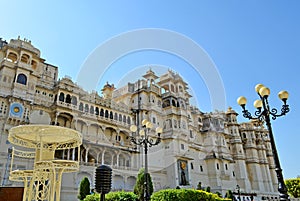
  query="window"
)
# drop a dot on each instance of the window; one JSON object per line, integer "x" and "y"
{"x": 33, "y": 64}
{"x": 192, "y": 166}
{"x": 68, "y": 98}
{"x": 191, "y": 134}
{"x": 12, "y": 57}
{"x": 128, "y": 120}
{"x": 218, "y": 166}
{"x": 61, "y": 97}
{"x": 233, "y": 174}
{"x": 25, "y": 58}
{"x": 86, "y": 108}
{"x": 22, "y": 79}
{"x": 81, "y": 106}
{"x": 201, "y": 168}
{"x": 226, "y": 167}
{"x": 182, "y": 146}
{"x": 74, "y": 100}
{"x": 97, "y": 111}
{"x": 92, "y": 109}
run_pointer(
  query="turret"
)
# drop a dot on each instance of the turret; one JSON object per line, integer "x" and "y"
{"x": 107, "y": 90}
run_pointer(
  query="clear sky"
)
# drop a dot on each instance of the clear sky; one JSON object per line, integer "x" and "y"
{"x": 249, "y": 42}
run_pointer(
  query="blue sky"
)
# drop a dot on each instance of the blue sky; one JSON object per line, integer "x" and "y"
{"x": 249, "y": 42}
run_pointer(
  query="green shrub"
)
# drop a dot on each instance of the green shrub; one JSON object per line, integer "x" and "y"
{"x": 139, "y": 185}
{"x": 293, "y": 187}
{"x": 93, "y": 197}
{"x": 186, "y": 195}
{"x": 113, "y": 196}
{"x": 84, "y": 188}
{"x": 121, "y": 196}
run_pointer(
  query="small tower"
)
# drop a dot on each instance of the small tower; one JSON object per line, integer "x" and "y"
{"x": 150, "y": 77}
{"x": 108, "y": 90}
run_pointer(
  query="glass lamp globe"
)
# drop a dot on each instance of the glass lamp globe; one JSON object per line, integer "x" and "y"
{"x": 242, "y": 101}
{"x": 283, "y": 95}
{"x": 133, "y": 128}
{"x": 258, "y": 104}
{"x": 264, "y": 92}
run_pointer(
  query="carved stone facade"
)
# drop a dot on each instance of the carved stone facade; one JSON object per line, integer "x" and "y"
{"x": 211, "y": 148}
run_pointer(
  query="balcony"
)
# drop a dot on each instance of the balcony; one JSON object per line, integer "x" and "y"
{"x": 116, "y": 167}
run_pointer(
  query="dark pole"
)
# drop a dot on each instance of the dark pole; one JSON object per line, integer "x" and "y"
{"x": 263, "y": 113}
{"x": 145, "y": 141}
{"x": 102, "y": 198}
{"x": 146, "y": 197}
{"x": 281, "y": 185}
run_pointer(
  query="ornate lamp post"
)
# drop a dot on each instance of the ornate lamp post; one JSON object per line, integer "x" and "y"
{"x": 145, "y": 140}
{"x": 263, "y": 113}
{"x": 238, "y": 188}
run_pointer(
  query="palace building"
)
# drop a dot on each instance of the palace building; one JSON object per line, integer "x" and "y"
{"x": 211, "y": 149}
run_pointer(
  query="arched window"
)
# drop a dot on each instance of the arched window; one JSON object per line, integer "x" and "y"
{"x": 101, "y": 112}
{"x": 120, "y": 117}
{"x": 124, "y": 118}
{"x": 68, "y": 98}
{"x": 172, "y": 88}
{"x": 106, "y": 114}
{"x": 61, "y": 97}
{"x": 116, "y": 116}
{"x": 12, "y": 57}
{"x": 33, "y": 64}
{"x": 22, "y": 79}
{"x": 173, "y": 103}
{"x": 180, "y": 88}
{"x": 166, "y": 103}
{"x": 92, "y": 110}
{"x": 128, "y": 120}
{"x": 74, "y": 100}
{"x": 86, "y": 108}
{"x": 97, "y": 111}
{"x": 81, "y": 106}
{"x": 111, "y": 116}
{"x": 25, "y": 58}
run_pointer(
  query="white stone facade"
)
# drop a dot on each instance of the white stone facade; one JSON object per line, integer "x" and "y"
{"x": 211, "y": 148}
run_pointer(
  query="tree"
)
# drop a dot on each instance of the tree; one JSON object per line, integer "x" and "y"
{"x": 84, "y": 188}
{"x": 293, "y": 187}
{"x": 139, "y": 187}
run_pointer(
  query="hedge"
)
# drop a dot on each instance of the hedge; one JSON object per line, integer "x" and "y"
{"x": 162, "y": 195}
{"x": 113, "y": 196}
{"x": 186, "y": 195}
